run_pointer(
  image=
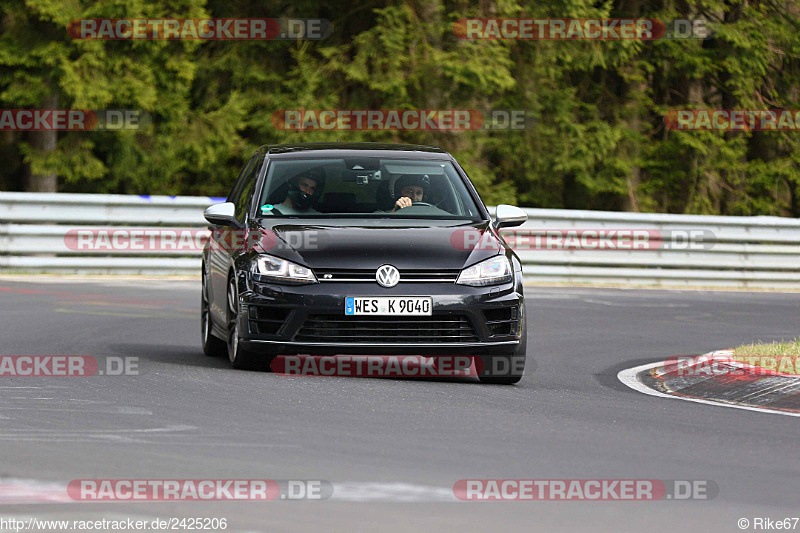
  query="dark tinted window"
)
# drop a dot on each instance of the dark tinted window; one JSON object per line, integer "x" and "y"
{"x": 233, "y": 196}
{"x": 243, "y": 190}
{"x": 370, "y": 186}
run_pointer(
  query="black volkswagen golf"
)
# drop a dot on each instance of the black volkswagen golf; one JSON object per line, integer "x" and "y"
{"x": 361, "y": 248}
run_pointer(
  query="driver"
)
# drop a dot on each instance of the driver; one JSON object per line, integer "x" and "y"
{"x": 304, "y": 189}
{"x": 410, "y": 188}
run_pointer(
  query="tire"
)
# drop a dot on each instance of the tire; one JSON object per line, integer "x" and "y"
{"x": 238, "y": 355}
{"x": 506, "y": 369}
{"x": 212, "y": 346}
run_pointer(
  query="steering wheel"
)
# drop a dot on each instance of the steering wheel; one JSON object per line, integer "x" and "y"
{"x": 415, "y": 204}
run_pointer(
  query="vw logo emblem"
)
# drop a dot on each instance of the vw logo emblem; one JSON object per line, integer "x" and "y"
{"x": 387, "y": 276}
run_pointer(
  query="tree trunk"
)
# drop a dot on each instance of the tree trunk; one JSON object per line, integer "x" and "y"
{"x": 43, "y": 142}
{"x": 629, "y": 99}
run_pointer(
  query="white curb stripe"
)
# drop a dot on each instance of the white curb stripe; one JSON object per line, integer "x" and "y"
{"x": 629, "y": 378}
{"x": 29, "y": 491}
{"x": 366, "y": 491}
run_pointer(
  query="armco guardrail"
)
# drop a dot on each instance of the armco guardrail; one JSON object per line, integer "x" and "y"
{"x": 33, "y": 227}
{"x": 695, "y": 251}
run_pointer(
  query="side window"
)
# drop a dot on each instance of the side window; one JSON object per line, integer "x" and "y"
{"x": 233, "y": 196}
{"x": 244, "y": 188}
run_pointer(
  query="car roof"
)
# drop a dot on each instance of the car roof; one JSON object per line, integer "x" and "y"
{"x": 355, "y": 149}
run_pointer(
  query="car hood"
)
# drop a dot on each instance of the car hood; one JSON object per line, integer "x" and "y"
{"x": 366, "y": 245}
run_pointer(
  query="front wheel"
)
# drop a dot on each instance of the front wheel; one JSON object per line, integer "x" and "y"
{"x": 212, "y": 346}
{"x": 238, "y": 355}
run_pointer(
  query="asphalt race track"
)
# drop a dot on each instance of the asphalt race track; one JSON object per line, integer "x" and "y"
{"x": 393, "y": 449}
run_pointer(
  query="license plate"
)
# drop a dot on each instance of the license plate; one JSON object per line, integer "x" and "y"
{"x": 389, "y": 305}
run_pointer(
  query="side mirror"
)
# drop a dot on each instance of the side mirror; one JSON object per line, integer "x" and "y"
{"x": 222, "y": 214}
{"x": 509, "y": 216}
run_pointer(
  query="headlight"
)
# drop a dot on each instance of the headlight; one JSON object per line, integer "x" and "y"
{"x": 277, "y": 269}
{"x": 490, "y": 272}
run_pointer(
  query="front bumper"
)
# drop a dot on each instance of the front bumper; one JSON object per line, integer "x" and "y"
{"x": 284, "y": 319}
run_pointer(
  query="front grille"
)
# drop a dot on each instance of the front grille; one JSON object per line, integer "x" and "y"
{"x": 502, "y": 320}
{"x": 368, "y": 274}
{"x": 265, "y": 320}
{"x": 401, "y": 329}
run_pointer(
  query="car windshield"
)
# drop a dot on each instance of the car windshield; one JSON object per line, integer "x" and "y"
{"x": 365, "y": 187}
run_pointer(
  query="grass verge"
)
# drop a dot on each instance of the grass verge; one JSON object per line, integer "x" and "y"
{"x": 783, "y": 357}
{"x": 769, "y": 348}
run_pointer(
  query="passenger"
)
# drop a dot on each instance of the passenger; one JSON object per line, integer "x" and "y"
{"x": 304, "y": 189}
